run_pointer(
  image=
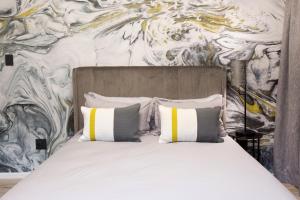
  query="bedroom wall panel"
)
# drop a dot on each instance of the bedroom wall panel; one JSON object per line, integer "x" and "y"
{"x": 48, "y": 38}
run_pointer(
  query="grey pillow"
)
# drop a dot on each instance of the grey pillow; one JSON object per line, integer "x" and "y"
{"x": 98, "y": 101}
{"x": 126, "y": 123}
{"x": 208, "y": 123}
{"x": 212, "y": 101}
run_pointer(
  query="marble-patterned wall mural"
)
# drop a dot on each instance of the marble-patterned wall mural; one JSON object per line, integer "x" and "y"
{"x": 48, "y": 38}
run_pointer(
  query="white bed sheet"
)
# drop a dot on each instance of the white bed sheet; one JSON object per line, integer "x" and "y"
{"x": 149, "y": 170}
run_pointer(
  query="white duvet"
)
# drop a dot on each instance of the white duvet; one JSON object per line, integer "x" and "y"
{"x": 149, "y": 170}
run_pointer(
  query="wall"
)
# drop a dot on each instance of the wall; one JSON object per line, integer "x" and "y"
{"x": 50, "y": 37}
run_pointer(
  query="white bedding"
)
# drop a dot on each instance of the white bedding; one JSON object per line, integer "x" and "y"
{"x": 149, "y": 170}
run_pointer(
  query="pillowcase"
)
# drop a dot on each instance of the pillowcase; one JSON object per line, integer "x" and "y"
{"x": 212, "y": 101}
{"x": 94, "y": 100}
{"x": 111, "y": 124}
{"x": 189, "y": 125}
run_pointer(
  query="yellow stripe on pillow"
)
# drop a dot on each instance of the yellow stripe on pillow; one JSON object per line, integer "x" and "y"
{"x": 174, "y": 125}
{"x": 92, "y": 124}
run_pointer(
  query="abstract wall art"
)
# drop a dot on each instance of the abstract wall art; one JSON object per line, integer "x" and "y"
{"x": 48, "y": 38}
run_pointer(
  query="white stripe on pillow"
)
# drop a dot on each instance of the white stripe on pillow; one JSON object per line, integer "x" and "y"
{"x": 186, "y": 125}
{"x": 104, "y": 124}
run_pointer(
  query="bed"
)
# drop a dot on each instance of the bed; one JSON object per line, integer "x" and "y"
{"x": 149, "y": 170}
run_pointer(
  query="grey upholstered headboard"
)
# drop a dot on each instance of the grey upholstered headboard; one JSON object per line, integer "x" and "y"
{"x": 167, "y": 82}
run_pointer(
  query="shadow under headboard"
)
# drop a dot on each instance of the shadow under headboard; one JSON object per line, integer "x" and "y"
{"x": 166, "y": 82}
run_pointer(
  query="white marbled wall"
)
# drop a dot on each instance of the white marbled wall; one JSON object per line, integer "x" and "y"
{"x": 50, "y": 37}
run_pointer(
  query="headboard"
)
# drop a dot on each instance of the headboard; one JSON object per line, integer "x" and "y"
{"x": 166, "y": 82}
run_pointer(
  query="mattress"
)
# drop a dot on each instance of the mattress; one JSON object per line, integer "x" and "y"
{"x": 149, "y": 170}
